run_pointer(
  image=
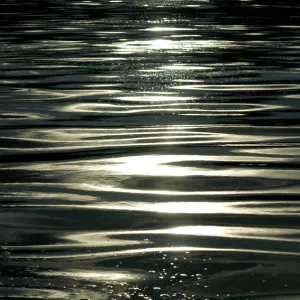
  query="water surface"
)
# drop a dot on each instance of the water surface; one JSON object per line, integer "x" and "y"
{"x": 150, "y": 149}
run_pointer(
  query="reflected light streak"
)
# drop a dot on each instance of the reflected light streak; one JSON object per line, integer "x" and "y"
{"x": 143, "y": 251}
{"x": 278, "y": 234}
{"x": 42, "y": 95}
{"x": 161, "y": 165}
{"x": 284, "y": 234}
{"x": 167, "y": 29}
{"x": 238, "y": 208}
{"x": 154, "y": 98}
{"x": 166, "y": 44}
{"x": 114, "y": 189}
{"x": 239, "y": 87}
{"x": 187, "y": 207}
{"x": 89, "y": 187}
{"x": 103, "y": 275}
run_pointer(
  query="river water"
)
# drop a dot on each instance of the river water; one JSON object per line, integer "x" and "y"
{"x": 150, "y": 149}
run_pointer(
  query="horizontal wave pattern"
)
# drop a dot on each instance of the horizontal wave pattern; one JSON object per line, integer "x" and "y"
{"x": 149, "y": 150}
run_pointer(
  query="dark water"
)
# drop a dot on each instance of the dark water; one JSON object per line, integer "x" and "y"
{"x": 150, "y": 149}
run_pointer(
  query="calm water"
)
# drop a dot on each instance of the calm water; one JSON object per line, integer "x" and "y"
{"x": 150, "y": 149}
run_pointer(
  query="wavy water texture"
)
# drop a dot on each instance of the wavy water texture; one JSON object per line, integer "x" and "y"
{"x": 150, "y": 149}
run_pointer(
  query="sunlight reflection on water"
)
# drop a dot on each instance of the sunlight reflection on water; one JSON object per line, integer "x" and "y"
{"x": 149, "y": 150}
